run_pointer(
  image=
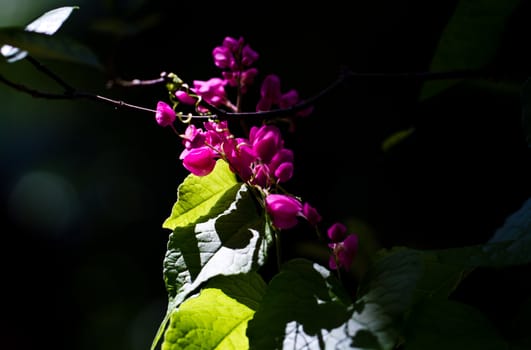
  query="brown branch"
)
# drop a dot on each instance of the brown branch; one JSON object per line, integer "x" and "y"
{"x": 137, "y": 82}
{"x": 71, "y": 93}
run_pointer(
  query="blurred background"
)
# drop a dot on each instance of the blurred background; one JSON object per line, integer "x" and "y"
{"x": 86, "y": 186}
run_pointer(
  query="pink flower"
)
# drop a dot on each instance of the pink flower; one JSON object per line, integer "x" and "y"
{"x": 232, "y": 44}
{"x": 185, "y": 98}
{"x": 261, "y": 175}
{"x": 281, "y": 165}
{"x": 344, "y": 246}
{"x": 284, "y": 172}
{"x": 269, "y": 93}
{"x": 337, "y": 232}
{"x": 212, "y": 90}
{"x": 311, "y": 214}
{"x": 271, "y": 96}
{"x": 193, "y": 137}
{"x": 343, "y": 253}
{"x": 233, "y": 54}
{"x": 223, "y": 57}
{"x": 244, "y": 78}
{"x": 199, "y": 161}
{"x": 249, "y": 56}
{"x": 165, "y": 115}
{"x": 266, "y": 141}
{"x": 240, "y": 156}
{"x": 283, "y": 210}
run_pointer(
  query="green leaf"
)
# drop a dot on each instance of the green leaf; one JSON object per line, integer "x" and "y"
{"x": 387, "y": 293}
{"x": 439, "y": 278}
{"x": 246, "y": 288}
{"x": 396, "y": 138}
{"x": 197, "y": 196}
{"x": 444, "y": 324}
{"x": 229, "y": 244}
{"x": 287, "y": 317}
{"x": 47, "y": 24}
{"x": 470, "y": 39}
{"x": 302, "y": 303}
{"x": 526, "y": 110}
{"x": 218, "y": 231}
{"x": 510, "y": 245}
{"x": 211, "y": 320}
{"x": 444, "y": 269}
{"x": 48, "y": 47}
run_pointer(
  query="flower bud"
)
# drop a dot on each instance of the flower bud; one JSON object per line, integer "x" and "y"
{"x": 283, "y": 210}
{"x": 164, "y": 115}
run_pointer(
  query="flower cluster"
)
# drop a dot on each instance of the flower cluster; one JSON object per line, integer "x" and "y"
{"x": 261, "y": 159}
{"x": 271, "y": 96}
{"x": 235, "y": 58}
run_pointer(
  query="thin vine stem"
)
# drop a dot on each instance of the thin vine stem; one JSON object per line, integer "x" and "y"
{"x": 71, "y": 93}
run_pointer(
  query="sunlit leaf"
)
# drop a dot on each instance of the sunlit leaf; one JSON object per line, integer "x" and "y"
{"x": 197, "y": 196}
{"x": 470, "y": 39}
{"x": 49, "y": 47}
{"x": 229, "y": 244}
{"x": 235, "y": 241}
{"x": 47, "y": 24}
{"x": 247, "y": 288}
{"x": 211, "y": 320}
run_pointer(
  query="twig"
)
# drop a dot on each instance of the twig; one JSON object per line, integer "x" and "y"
{"x": 72, "y": 93}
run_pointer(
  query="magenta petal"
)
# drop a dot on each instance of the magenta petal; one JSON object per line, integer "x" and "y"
{"x": 183, "y": 97}
{"x": 348, "y": 251}
{"x": 164, "y": 115}
{"x": 284, "y": 172}
{"x": 271, "y": 88}
{"x": 283, "y": 210}
{"x": 311, "y": 214}
{"x": 337, "y": 232}
{"x": 332, "y": 263}
{"x": 200, "y": 161}
{"x": 351, "y": 243}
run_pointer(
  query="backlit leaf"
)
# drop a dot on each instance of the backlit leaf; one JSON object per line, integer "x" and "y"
{"x": 197, "y": 196}
{"x": 211, "y": 320}
{"x": 48, "y": 47}
{"x": 470, "y": 39}
{"x": 47, "y": 24}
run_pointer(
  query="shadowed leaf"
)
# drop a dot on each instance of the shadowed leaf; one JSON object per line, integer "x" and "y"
{"x": 444, "y": 324}
{"x": 470, "y": 39}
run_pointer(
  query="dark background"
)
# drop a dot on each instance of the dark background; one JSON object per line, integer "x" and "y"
{"x": 86, "y": 186}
